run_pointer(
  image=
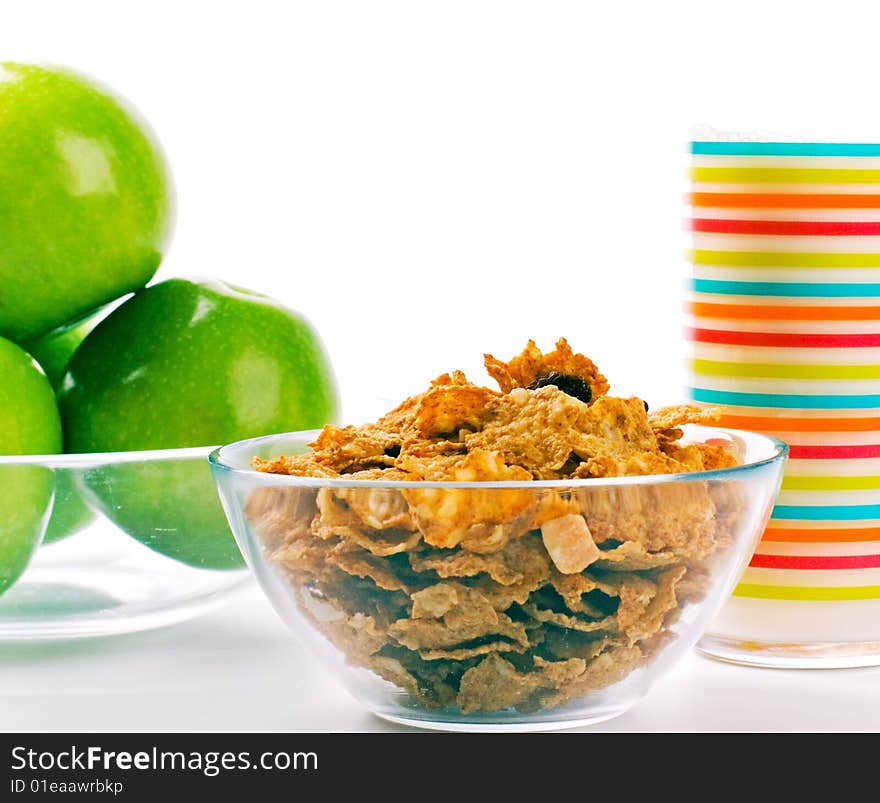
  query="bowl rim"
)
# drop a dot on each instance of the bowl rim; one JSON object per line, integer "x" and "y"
{"x": 217, "y": 459}
{"x": 91, "y": 459}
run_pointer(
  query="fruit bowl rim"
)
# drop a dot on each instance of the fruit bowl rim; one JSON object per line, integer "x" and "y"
{"x": 91, "y": 459}
{"x": 218, "y": 460}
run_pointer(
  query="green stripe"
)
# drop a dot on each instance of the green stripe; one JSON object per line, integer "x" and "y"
{"x": 784, "y": 259}
{"x": 789, "y": 175}
{"x": 797, "y": 483}
{"x": 801, "y": 593}
{"x": 784, "y": 370}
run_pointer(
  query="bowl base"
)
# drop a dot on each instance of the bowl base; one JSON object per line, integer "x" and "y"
{"x": 509, "y": 727}
{"x": 503, "y": 722}
{"x": 791, "y": 655}
{"x": 101, "y": 583}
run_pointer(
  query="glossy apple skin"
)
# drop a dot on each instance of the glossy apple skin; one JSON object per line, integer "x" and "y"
{"x": 53, "y": 350}
{"x": 86, "y": 203}
{"x": 188, "y": 364}
{"x": 29, "y": 424}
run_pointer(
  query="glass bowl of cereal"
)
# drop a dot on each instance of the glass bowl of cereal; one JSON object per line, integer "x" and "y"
{"x": 521, "y": 559}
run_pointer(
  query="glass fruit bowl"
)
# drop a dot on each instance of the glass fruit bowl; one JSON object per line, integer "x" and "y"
{"x": 97, "y": 544}
{"x": 521, "y": 638}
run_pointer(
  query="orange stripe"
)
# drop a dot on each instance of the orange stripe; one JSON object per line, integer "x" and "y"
{"x": 771, "y": 424}
{"x": 821, "y": 535}
{"x": 778, "y": 200}
{"x": 780, "y": 312}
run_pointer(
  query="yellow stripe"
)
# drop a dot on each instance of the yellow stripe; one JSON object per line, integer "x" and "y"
{"x": 798, "y": 483}
{"x": 824, "y": 594}
{"x": 788, "y": 175}
{"x": 785, "y": 259}
{"x": 784, "y": 370}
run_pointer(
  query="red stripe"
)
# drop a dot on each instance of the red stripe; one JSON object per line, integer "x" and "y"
{"x": 832, "y": 452}
{"x": 801, "y": 340}
{"x": 787, "y": 227}
{"x": 815, "y": 561}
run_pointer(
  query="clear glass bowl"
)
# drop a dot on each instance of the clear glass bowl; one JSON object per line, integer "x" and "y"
{"x": 453, "y": 639}
{"x": 111, "y": 543}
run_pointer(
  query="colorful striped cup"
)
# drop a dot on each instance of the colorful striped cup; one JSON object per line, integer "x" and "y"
{"x": 784, "y": 309}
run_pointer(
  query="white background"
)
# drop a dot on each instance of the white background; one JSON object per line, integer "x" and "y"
{"x": 431, "y": 180}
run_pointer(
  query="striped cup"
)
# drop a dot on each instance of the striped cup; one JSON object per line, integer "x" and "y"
{"x": 784, "y": 327}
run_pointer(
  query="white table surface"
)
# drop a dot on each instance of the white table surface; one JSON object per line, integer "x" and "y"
{"x": 237, "y": 669}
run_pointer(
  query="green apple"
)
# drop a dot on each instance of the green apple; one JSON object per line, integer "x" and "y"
{"x": 29, "y": 424}
{"x": 70, "y": 513}
{"x": 86, "y": 204}
{"x": 53, "y": 351}
{"x": 188, "y": 364}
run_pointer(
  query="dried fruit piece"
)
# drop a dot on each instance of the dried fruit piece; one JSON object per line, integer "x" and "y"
{"x": 569, "y": 543}
{"x": 570, "y": 385}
